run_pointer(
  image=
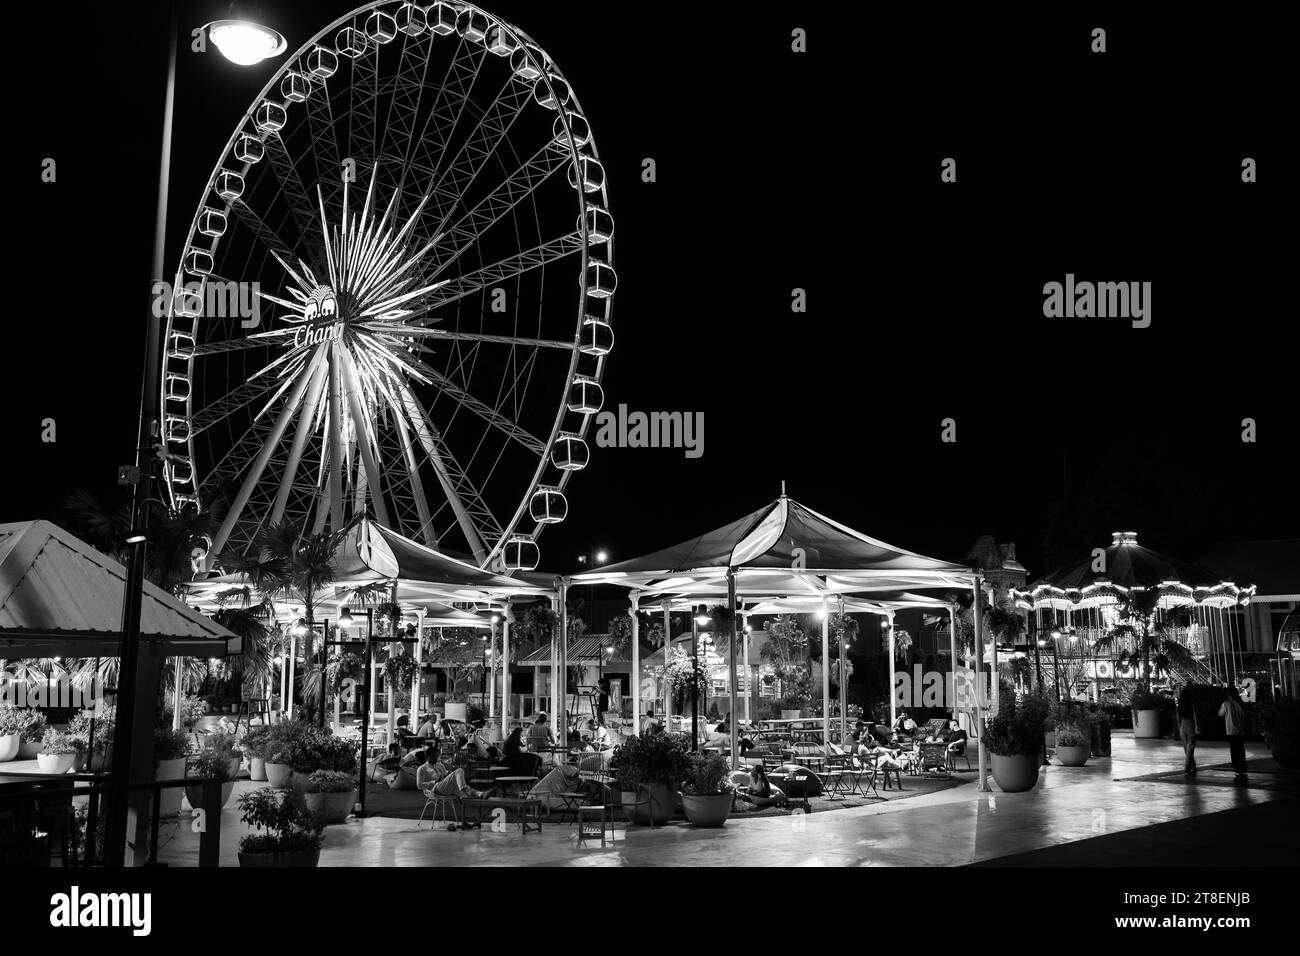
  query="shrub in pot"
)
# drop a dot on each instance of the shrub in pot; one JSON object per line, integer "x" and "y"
{"x": 708, "y": 791}
{"x": 1279, "y": 723}
{"x": 11, "y": 735}
{"x": 169, "y": 750}
{"x": 31, "y": 726}
{"x": 102, "y": 722}
{"x": 1014, "y": 737}
{"x": 1073, "y": 744}
{"x": 59, "y": 752}
{"x": 285, "y": 833}
{"x": 651, "y": 766}
{"x": 226, "y": 747}
{"x": 330, "y": 795}
{"x": 255, "y": 745}
{"x": 1099, "y": 730}
{"x": 1146, "y": 706}
{"x": 210, "y": 764}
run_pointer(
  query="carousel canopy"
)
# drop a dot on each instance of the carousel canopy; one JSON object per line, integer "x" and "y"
{"x": 782, "y": 548}
{"x": 1128, "y": 565}
{"x": 59, "y": 597}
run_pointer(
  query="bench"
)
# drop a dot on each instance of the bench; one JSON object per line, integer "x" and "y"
{"x": 527, "y": 810}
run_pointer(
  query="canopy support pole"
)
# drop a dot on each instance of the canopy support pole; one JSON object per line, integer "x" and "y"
{"x": 826, "y": 676}
{"x": 893, "y": 690}
{"x": 492, "y": 675}
{"x": 952, "y": 650}
{"x": 178, "y": 692}
{"x": 563, "y": 735}
{"x": 506, "y": 619}
{"x": 733, "y": 713}
{"x": 419, "y": 666}
{"x": 668, "y": 641}
{"x": 980, "y": 691}
{"x": 749, "y": 683}
{"x": 634, "y": 600}
{"x": 293, "y": 667}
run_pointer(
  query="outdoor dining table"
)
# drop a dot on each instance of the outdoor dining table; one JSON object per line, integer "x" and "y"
{"x": 518, "y": 782}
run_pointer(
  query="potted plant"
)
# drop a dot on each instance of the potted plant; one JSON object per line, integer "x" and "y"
{"x": 31, "y": 729}
{"x": 169, "y": 750}
{"x": 58, "y": 752}
{"x": 1279, "y": 723}
{"x": 651, "y": 767}
{"x": 1146, "y": 705}
{"x": 11, "y": 732}
{"x": 1014, "y": 737}
{"x": 1073, "y": 744}
{"x": 708, "y": 792}
{"x": 286, "y": 833}
{"x": 102, "y": 720}
{"x": 330, "y": 795}
{"x": 254, "y": 745}
{"x": 315, "y": 749}
{"x": 226, "y": 747}
{"x": 209, "y": 764}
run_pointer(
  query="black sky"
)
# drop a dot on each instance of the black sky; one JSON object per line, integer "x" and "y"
{"x": 775, "y": 171}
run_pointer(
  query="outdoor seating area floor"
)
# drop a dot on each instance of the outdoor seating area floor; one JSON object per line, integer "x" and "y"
{"x": 407, "y": 804}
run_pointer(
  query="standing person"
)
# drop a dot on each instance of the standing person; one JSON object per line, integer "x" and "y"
{"x": 1233, "y": 712}
{"x": 1188, "y": 729}
{"x": 540, "y": 735}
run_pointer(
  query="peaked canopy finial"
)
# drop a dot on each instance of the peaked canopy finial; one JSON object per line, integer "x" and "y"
{"x": 782, "y": 489}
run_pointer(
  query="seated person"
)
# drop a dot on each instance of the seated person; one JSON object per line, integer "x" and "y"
{"x": 649, "y": 724}
{"x": 956, "y": 738}
{"x": 428, "y": 729}
{"x": 437, "y": 778}
{"x": 540, "y": 735}
{"x": 904, "y": 724}
{"x": 514, "y": 744}
{"x": 870, "y": 749}
{"x": 564, "y": 778}
{"x": 404, "y": 720}
{"x": 478, "y": 739}
{"x": 760, "y": 793}
{"x": 404, "y": 775}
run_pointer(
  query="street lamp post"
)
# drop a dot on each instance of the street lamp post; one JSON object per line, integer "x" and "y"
{"x": 128, "y": 761}
{"x": 363, "y": 704}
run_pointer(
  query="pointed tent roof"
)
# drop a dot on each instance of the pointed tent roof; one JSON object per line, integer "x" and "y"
{"x": 782, "y": 547}
{"x": 1128, "y": 565}
{"x": 61, "y": 597}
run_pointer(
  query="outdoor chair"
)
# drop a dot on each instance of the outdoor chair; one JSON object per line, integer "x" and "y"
{"x": 954, "y": 754}
{"x": 440, "y": 805}
{"x": 877, "y": 769}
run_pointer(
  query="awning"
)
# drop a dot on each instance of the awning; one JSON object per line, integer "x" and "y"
{"x": 60, "y": 597}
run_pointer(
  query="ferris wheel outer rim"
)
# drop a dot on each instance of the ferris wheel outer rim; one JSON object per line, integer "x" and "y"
{"x": 562, "y": 110}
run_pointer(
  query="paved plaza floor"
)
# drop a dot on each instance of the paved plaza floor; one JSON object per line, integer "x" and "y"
{"x": 1102, "y": 811}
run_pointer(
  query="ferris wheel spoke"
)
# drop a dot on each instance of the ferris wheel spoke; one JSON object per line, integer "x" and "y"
{"x": 254, "y": 474}
{"x": 473, "y": 515}
{"x": 324, "y": 138}
{"x": 257, "y": 341}
{"x": 507, "y": 426}
{"x": 239, "y": 397}
{"x": 259, "y": 228}
{"x": 487, "y": 212}
{"x": 364, "y": 433}
{"x": 506, "y": 269}
{"x": 433, "y": 334}
{"x": 305, "y": 429}
{"x": 407, "y": 448}
{"x": 300, "y": 203}
{"x": 407, "y": 92}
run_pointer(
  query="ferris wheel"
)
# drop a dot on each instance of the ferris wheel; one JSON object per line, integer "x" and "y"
{"x": 395, "y": 294}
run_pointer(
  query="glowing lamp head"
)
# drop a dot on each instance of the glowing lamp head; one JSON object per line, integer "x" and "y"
{"x": 702, "y": 616}
{"x": 601, "y": 557}
{"x": 345, "y": 617}
{"x": 244, "y": 42}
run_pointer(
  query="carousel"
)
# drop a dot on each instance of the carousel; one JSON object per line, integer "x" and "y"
{"x": 1129, "y": 613}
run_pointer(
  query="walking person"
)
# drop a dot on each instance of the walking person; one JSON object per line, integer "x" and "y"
{"x": 1233, "y": 712}
{"x": 1188, "y": 729}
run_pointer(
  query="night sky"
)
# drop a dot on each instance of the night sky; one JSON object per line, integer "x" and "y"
{"x": 777, "y": 171}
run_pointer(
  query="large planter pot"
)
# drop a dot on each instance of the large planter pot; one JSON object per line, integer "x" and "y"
{"x": 1285, "y": 752}
{"x": 1146, "y": 724}
{"x": 56, "y": 763}
{"x": 298, "y": 858}
{"x": 711, "y": 810}
{"x": 300, "y": 781}
{"x": 170, "y": 797}
{"x": 9, "y": 746}
{"x": 332, "y": 807}
{"x": 233, "y": 765}
{"x": 29, "y": 749}
{"x": 256, "y": 768}
{"x": 791, "y": 714}
{"x": 457, "y": 711}
{"x": 660, "y": 810}
{"x": 195, "y": 795}
{"x": 1015, "y": 773}
{"x": 98, "y": 762}
{"x": 278, "y": 775}
{"x": 1073, "y": 756}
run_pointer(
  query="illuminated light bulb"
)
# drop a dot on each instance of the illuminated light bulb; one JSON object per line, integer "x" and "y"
{"x": 245, "y": 43}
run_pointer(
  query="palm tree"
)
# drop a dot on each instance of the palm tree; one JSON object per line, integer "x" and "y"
{"x": 1150, "y": 634}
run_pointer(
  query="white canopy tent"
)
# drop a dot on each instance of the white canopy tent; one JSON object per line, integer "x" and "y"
{"x": 787, "y": 554}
